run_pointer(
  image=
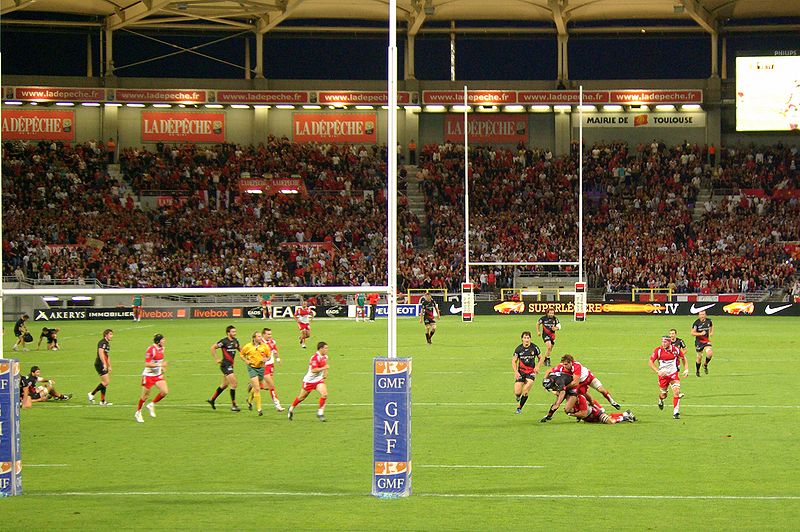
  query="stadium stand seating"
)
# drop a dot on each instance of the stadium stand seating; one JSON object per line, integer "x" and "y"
{"x": 65, "y": 217}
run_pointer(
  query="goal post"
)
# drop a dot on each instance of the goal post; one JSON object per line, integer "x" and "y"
{"x": 651, "y": 294}
{"x": 467, "y": 302}
{"x": 580, "y": 302}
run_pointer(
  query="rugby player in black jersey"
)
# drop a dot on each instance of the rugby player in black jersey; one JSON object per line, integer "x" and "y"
{"x": 547, "y": 327}
{"x": 525, "y": 362}
{"x": 702, "y": 330}
{"x": 229, "y": 346}
{"x": 557, "y": 382}
{"x": 428, "y": 313}
{"x": 677, "y": 342}
{"x": 102, "y": 365}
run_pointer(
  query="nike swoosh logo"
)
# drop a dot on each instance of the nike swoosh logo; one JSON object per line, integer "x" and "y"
{"x": 455, "y": 310}
{"x": 695, "y": 310}
{"x": 770, "y": 310}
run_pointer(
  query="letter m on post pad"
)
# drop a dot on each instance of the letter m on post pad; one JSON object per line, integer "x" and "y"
{"x": 391, "y": 422}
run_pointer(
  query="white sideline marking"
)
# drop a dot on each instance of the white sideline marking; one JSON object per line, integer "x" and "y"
{"x": 441, "y": 495}
{"x": 464, "y": 466}
{"x": 505, "y": 404}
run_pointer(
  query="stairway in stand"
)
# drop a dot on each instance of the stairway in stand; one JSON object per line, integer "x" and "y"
{"x": 703, "y": 196}
{"x": 416, "y": 204}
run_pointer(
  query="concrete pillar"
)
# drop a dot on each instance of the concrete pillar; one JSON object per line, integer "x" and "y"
{"x": 562, "y": 133}
{"x": 714, "y": 54}
{"x": 89, "y": 61}
{"x": 259, "y": 55}
{"x": 563, "y": 62}
{"x": 409, "y": 59}
{"x": 110, "y": 117}
{"x": 109, "y": 53}
{"x": 260, "y": 125}
{"x": 246, "y": 58}
{"x": 724, "y": 58}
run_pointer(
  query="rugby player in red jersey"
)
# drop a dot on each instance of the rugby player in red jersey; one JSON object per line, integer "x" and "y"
{"x": 314, "y": 379}
{"x": 668, "y": 357}
{"x": 590, "y": 411}
{"x": 303, "y": 316}
{"x": 583, "y": 379}
{"x": 153, "y": 375}
{"x": 269, "y": 368}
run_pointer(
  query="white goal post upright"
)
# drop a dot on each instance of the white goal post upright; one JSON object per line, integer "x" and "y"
{"x": 391, "y": 222}
{"x": 466, "y": 186}
{"x": 579, "y": 312}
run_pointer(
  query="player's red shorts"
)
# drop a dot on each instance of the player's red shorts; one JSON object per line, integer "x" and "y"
{"x": 304, "y": 326}
{"x": 308, "y": 386}
{"x": 265, "y": 302}
{"x": 150, "y": 381}
{"x": 663, "y": 382}
{"x": 269, "y": 369}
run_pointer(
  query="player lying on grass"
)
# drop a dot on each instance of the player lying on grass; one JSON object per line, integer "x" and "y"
{"x": 581, "y": 406}
{"x": 583, "y": 379}
{"x": 33, "y": 388}
{"x": 590, "y": 411}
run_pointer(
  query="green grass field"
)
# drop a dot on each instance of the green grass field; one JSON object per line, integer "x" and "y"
{"x": 730, "y": 463}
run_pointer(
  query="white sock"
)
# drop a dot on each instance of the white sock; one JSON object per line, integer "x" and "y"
{"x": 320, "y": 411}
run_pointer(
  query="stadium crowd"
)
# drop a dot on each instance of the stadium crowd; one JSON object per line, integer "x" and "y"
{"x": 66, "y": 217}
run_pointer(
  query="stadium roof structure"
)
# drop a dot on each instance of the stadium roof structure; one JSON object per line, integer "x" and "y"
{"x": 415, "y": 16}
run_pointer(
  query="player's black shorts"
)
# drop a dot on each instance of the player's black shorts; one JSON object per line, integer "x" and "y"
{"x": 546, "y": 338}
{"x": 98, "y": 367}
{"x": 700, "y": 346}
{"x": 226, "y": 368}
{"x": 428, "y": 321}
{"x": 526, "y": 377}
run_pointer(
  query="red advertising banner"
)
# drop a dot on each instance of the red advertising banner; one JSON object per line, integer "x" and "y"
{"x": 158, "y": 95}
{"x": 474, "y": 97}
{"x": 288, "y": 185}
{"x": 647, "y": 96}
{"x": 487, "y": 128}
{"x": 562, "y": 97}
{"x": 332, "y": 127}
{"x": 183, "y": 127}
{"x": 265, "y": 97}
{"x": 361, "y": 97}
{"x": 246, "y": 185}
{"x": 38, "y": 125}
{"x": 57, "y": 94}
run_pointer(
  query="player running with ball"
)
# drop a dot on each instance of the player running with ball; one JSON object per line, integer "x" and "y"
{"x": 668, "y": 357}
{"x": 547, "y": 327}
{"x": 314, "y": 380}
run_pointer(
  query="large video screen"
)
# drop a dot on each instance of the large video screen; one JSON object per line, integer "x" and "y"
{"x": 768, "y": 92}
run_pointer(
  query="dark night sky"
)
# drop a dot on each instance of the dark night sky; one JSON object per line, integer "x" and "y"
{"x": 530, "y": 57}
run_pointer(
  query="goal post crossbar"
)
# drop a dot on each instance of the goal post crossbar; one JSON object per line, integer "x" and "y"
{"x": 236, "y": 290}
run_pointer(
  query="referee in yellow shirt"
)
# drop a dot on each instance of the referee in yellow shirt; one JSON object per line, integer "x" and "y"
{"x": 254, "y": 354}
